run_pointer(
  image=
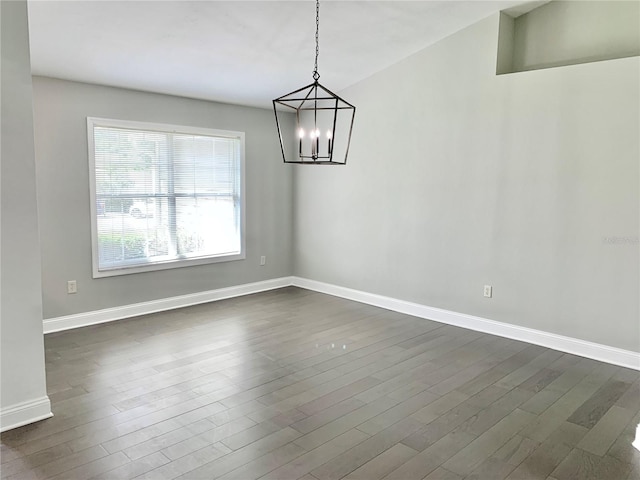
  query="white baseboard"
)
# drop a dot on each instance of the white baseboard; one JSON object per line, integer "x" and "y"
{"x": 118, "y": 313}
{"x": 24, "y": 413}
{"x": 596, "y": 351}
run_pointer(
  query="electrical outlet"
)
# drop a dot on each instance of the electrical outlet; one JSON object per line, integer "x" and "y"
{"x": 263, "y": 260}
{"x": 488, "y": 291}
{"x": 72, "y": 286}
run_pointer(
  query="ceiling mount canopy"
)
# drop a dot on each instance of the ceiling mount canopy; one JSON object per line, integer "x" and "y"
{"x": 323, "y": 121}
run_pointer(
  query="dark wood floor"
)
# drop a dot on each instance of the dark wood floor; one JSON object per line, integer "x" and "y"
{"x": 294, "y": 384}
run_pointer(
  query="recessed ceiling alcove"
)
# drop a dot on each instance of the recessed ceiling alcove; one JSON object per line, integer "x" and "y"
{"x": 561, "y": 33}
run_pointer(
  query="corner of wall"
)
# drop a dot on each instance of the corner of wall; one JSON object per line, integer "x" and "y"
{"x": 23, "y": 394}
{"x": 24, "y": 413}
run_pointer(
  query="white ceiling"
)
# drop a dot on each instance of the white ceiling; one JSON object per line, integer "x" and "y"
{"x": 242, "y": 52}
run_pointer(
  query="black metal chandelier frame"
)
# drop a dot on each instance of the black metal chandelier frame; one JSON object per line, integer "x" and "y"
{"x": 315, "y": 98}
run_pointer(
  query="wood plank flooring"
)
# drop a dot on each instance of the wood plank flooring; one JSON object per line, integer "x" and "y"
{"x": 293, "y": 384}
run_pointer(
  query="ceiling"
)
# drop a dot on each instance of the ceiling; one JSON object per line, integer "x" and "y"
{"x": 241, "y": 52}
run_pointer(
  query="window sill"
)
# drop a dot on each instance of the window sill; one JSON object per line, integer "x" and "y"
{"x": 165, "y": 265}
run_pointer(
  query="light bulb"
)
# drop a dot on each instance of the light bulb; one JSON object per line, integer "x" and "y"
{"x": 328, "y": 133}
{"x": 301, "y": 133}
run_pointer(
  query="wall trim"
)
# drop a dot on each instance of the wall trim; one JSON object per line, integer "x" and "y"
{"x": 575, "y": 346}
{"x": 85, "y": 319}
{"x": 24, "y": 413}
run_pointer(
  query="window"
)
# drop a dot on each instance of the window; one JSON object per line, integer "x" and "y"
{"x": 163, "y": 196}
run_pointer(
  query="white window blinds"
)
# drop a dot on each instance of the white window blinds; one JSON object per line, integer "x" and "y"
{"x": 163, "y": 195}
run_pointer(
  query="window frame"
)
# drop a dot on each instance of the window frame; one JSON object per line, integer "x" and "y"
{"x": 151, "y": 266}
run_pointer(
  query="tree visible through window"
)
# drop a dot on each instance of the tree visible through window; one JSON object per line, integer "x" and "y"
{"x": 164, "y": 196}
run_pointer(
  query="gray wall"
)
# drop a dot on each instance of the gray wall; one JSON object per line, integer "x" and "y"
{"x": 459, "y": 178}
{"x": 21, "y": 342}
{"x": 61, "y": 108}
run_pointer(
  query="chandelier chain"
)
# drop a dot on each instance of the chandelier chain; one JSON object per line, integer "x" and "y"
{"x": 316, "y": 75}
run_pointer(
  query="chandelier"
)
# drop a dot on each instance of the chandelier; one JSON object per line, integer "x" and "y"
{"x": 323, "y": 121}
